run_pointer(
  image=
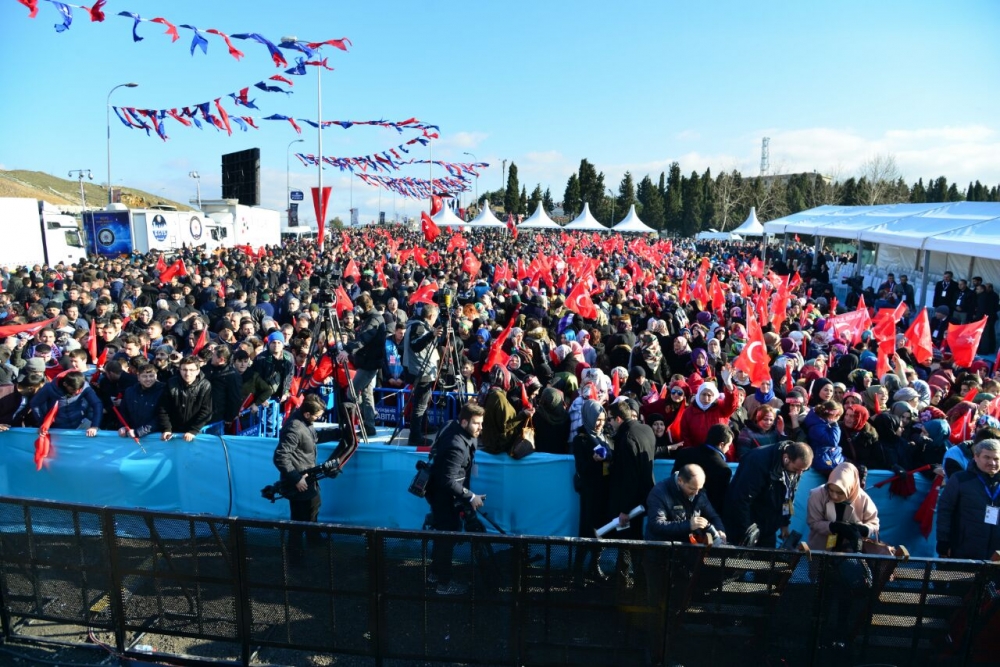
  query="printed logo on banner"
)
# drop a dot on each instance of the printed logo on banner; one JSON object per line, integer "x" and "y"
{"x": 106, "y": 237}
{"x": 195, "y": 227}
{"x": 159, "y": 228}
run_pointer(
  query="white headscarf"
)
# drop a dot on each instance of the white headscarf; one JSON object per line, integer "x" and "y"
{"x": 713, "y": 393}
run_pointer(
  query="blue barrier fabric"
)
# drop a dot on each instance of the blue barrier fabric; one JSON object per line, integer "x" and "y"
{"x": 224, "y": 475}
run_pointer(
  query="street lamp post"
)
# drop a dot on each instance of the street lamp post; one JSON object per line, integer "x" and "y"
{"x": 197, "y": 178}
{"x": 83, "y": 197}
{"x": 611, "y": 192}
{"x": 121, "y": 85}
{"x": 288, "y": 181}
{"x": 472, "y": 155}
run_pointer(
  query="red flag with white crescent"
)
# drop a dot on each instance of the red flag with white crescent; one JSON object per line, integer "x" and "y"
{"x": 579, "y": 302}
{"x": 754, "y": 360}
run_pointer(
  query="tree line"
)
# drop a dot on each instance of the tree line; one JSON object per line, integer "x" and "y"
{"x": 686, "y": 205}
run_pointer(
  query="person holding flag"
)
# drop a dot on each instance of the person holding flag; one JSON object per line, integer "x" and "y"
{"x": 75, "y": 401}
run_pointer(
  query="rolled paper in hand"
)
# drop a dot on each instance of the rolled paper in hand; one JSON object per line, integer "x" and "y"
{"x": 613, "y": 524}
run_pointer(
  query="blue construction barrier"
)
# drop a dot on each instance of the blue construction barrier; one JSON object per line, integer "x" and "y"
{"x": 223, "y": 476}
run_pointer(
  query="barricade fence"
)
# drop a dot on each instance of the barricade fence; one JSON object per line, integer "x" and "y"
{"x": 134, "y": 575}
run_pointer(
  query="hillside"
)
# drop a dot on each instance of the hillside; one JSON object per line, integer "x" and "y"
{"x": 61, "y": 191}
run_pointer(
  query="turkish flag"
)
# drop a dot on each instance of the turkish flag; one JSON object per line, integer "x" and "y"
{"x": 424, "y": 294}
{"x": 43, "y": 444}
{"x": 161, "y": 264}
{"x": 352, "y": 270}
{"x": 343, "y": 301}
{"x": 420, "y": 256}
{"x": 471, "y": 264}
{"x": 456, "y": 242}
{"x": 716, "y": 294}
{"x": 511, "y": 227}
{"x": 754, "y": 360}
{"x": 500, "y": 273}
{"x": 963, "y": 340}
{"x": 174, "y": 270}
{"x": 427, "y": 226}
{"x": 918, "y": 338}
{"x": 960, "y": 431}
{"x": 92, "y": 342}
{"x": 579, "y": 302}
{"x": 496, "y": 354}
{"x": 436, "y": 205}
{"x": 202, "y": 339}
{"x": 674, "y": 430}
{"x": 320, "y": 203}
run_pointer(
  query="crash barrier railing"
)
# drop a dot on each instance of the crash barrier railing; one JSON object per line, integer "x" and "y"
{"x": 265, "y": 422}
{"x": 272, "y": 591}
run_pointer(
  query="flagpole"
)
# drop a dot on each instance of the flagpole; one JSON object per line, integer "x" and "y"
{"x": 319, "y": 139}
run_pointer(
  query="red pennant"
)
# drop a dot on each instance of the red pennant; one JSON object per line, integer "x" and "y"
{"x": 674, "y": 430}
{"x": 963, "y": 341}
{"x": 92, "y": 342}
{"x": 615, "y": 383}
{"x": 320, "y": 201}
{"x": 960, "y": 428}
{"x": 43, "y": 444}
{"x": 202, "y": 339}
{"x": 351, "y": 270}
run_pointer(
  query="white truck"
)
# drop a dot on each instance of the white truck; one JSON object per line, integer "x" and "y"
{"x": 35, "y": 232}
{"x": 120, "y": 231}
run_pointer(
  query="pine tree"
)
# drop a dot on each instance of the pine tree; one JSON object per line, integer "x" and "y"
{"x": 652, "y": 203}
{"x": 626, "y": 197}
{"x": 849, "y": 193}
{"x": 918, "y": 193}
{"x": 954, "y": 194}
{"x": 937, "y": 191}
{"x": 572, "y": 201}
{"x": 662, "y": 186}
{"x": 547, "y": 200}
{"x": 673, "y": 209}
{"x": 693, "y": 205}
{"x": 708, "y": 197}
{"x": 534, "y": 200}
{"x": 512, "y": 196}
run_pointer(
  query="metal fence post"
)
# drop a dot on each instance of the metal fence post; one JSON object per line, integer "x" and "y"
{"x": 375, "y": 583}
{"x": 116, "y": 585}
{"x": 244, "y": 613}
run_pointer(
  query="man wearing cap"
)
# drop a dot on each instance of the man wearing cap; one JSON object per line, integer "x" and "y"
{"x": 276, "y": 366}
{"x": 15, "y": 400}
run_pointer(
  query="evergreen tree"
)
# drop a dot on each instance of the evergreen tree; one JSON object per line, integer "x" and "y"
{"x": 970, "y": 193}
{"x": 708, "y": 197}
{"x": 918, "y": 193}
{"x": 954, "y": 194}
{"x": 673, "y": 200}
{"x": 590, "y": 192}
{"x": 938, "y": 190}
{"x": 512, "y": 196}
{"x": 547, "y": 201}
{"x": 662, "y": 186}
{"x": 534, "y": 200}
{"x": 849, "y": 193}
{"x": 572, "y": 201}
{"x": 901, "y": 192}
{"x": 693, "y": 207}
{"x": 652, "y": 203}
{"x": 626, "y": 197}
{"x": 795, "y": 193}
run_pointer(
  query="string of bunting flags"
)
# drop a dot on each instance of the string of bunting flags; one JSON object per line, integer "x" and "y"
{"x": 199, "y": 41}
{"x": 391, "y": 160}
{"x": 418, "y": 188}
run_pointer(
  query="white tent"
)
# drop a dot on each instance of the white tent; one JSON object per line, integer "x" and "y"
{"x": 717, "y": 236}
{"x": 486, "y": 218}
{"x": 539, "y": 220}
{"x": 751, "y": 226}
{"x": 586, "y": 222}
{"x": 447, "y": 218}
{"x": 631, "y": 224}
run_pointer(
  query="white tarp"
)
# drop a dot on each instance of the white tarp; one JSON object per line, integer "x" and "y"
{"x": 486, "y": 218}
{"x": 586, "y": 222}
{"x": 777, "y": 227}
{"x": 751, "y": 226}
{"x": 914, "y": 231}
{"x": 447, "y": 218}
{"x": 980, "y": 240}
{"x": 631, "y": 224}
{"x": 717, "y": 236}
{"x": 539, "y": 220}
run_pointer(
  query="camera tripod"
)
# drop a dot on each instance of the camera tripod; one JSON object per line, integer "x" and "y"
{"x": 351, "y": 392}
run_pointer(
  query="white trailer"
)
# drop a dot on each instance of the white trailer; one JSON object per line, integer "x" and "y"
{"x": 237, "y": 224}
{"x": 35, "y": 232}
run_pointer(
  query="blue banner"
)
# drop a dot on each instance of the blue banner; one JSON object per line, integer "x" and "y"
{"x": 109, "y": 233}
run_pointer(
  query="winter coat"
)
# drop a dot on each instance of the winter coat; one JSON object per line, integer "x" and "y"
{"x": 695, "y": 422}
{"x": 751, "y": 438}
{"x": 824, "y": 438}
{"x": 277, "y": 372}
{"x": 960, "y": 514}
{"x": 138, "y": 407}
{"x": 632, "y": 469}
{"x": 367, "y": 350}
{"x": 253, "y": 383}
{"x": 669, "y": 512}
{"x": 72, "y": 412}
{"x": 757, "y": 494}
{"x": 502, "y": 426}
{"x": 718, "y": 474}
{"x": 453, "y": 456}
{"x": 296, "y": 453}
{"x": 227, "y": 391}
{"x": 821, "y": 511}
{"x": 185, "y": 408}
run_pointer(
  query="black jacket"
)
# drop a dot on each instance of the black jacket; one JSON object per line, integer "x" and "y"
{"x": 227, "y": 391}
{"x": 453, "y": 455}
{"x": 185, "y": 408}
{"x": 139, "y": 407}
{"x": 276, "y": 372}
{"x": 961, "y": 512}
{"x": 945, "y": 296}
{"x": 717, "y": 473}
{"x": 367, "y": 350}
{"x": 757, "y": 494}
{"x": 669, "y": 512}
{"x": 632, "y": 468}
{"x": 296, "y": 453}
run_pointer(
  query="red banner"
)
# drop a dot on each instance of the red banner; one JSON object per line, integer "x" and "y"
{"x": 321, "y": 212}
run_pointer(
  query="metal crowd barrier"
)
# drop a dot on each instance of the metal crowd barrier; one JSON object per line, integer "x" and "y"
{"x": 139, "y": 578}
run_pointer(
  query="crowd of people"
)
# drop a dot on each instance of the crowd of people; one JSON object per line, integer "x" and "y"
{"x": 617, "y": 351}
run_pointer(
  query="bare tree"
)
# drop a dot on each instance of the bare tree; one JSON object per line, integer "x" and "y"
{"x": 880, "y": 172}
{"x": 729, "y": 196}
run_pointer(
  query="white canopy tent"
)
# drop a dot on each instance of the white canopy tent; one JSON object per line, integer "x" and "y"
{"x": 631, "y": 224}
{"x": 717, "y": 236}
{"x": 486, "y": 218}
{"x": 539, "y": 220}
{"x": 586, "y": 222}
{"x": 751, "y": 226}
{"x": 447, "y": 218}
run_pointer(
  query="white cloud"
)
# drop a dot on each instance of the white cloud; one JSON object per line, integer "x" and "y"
{"x": 460, "y": 140}
{"x": 688, "y": 135}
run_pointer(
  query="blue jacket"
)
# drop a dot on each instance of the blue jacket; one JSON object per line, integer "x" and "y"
{"x": 71, "y": 413}
{"x": 669, "y": 512}
{"x": 824, "y": 438}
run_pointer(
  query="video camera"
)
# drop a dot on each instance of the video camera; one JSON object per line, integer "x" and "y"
{"x": 854, "y": 282}
{"x": 281, "y": 489}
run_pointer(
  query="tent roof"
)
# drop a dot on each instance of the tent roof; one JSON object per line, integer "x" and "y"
{"x": 539, "y": 220}
{"x": 775, "y": 227}
{"x": 632, "y": 224}
{"x": 717, "y": 236}
{"x": 447, "y": 218}
{"x": 486, "y": 218}
{"x": 914, "y": 231}
{"x": 978, "y": 240}
{"x": 586, "y": 221}
{"x": 751, "y": 226}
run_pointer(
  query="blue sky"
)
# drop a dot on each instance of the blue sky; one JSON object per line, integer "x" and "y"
{"x": 629, "y": 86}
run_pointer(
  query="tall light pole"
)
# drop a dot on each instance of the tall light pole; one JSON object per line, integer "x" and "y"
{"x": 83, "y": 197}
{"x": 288, "y": 181}
{"x": 472, "y": 155}
{"x": 197, "y": 177}
{"x": 319, "y": 138}
{"x": 121, "y": 85}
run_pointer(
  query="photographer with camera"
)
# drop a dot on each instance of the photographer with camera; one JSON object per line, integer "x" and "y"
{"x": 295, "y": 454}
{"x": 366, "y": 351}
{"x": 421, "y": 359}
{"x": 451, "y": 470}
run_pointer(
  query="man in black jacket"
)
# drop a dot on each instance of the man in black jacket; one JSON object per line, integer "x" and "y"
{"x": 945, "y": 291}
{"x": 276, "y": 366}
{"x": 420, "y": 358}
{"x": 965, "y": 303}
{"x": 139, "y": 403}
{"x": 763, "y": 491}
{"x": 968, "y": 514}
{"x": 186, "y": 404}
{"x": 632, "y": 466}
{"x": 296, "y": 453}
{"x": 227, "y": 385}
{"x": 452, "y": 459}
{"x": 711, "y": 458}
{"x": 367, "y": 351}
